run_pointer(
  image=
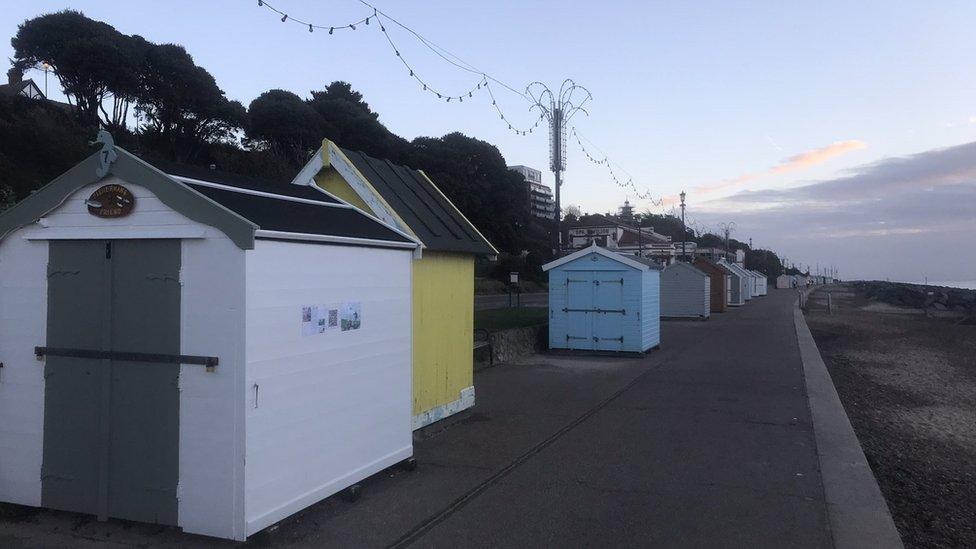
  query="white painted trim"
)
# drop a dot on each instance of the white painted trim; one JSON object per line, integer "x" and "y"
{"x": 358, "y": 183}
{"x": 334, "y": 239}
{"x": 394, "y": 228}
{"x": 593, "y": 248}
{"x": 465, "y": 401}
{"x": 252, "y": 192}
{"x": 119, "y": 232}
{"x": 306, "y": 176}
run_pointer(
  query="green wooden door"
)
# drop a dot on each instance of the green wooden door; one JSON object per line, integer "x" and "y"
{"x": 111, "y": 427}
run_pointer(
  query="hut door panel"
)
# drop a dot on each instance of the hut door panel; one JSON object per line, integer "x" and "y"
{"x": 608, "y": 331}
{"x": 579, "y": 304}
{"x": 143, "y": 468}
{"x": 111, "y": 427}
{"x": 77, "y": 317}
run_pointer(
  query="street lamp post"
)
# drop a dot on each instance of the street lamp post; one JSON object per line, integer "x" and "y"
{"x": 727, "y": 228}
{"x": 684, "y": 230}
{"x": 46, "y": 67}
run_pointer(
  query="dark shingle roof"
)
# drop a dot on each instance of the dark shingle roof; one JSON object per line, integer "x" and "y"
{"x": 14, "y": 88}
{"x": 280, "y": 214}
{"x": 240, "y": 180}
{"x": 422, "y": 207}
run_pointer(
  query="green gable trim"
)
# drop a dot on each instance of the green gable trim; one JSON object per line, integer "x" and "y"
{"x": 185, "y": 200}
{"x": 132, "y": 169}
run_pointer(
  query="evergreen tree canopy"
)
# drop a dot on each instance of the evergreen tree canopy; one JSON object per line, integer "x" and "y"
{"x": 92, "y": 61}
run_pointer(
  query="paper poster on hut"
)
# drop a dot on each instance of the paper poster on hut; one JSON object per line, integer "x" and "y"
{"x": 308, "y": 321}
{"x": 351, "y": 316}
{"x": 330, "y": 316}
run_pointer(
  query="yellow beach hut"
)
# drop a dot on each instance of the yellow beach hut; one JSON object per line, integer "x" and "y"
{"x": 443, "y": 269}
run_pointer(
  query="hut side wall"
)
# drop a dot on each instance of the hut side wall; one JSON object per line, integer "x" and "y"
{"x": 443, "y": 329}
{"x": 684, "y": 292}
{"x": 323, "y": 410}
{"x": 651, "y": 305}
{"x": 719, "y": 283}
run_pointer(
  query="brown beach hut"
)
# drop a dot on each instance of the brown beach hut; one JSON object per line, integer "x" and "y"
{"x": 719, "y": 283}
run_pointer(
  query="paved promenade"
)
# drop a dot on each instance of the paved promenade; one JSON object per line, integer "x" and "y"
{"x": 706, "y": 442}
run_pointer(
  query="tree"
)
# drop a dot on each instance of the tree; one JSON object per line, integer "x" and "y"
{"x": 473, "y": 174}
{"x": 709, "y": 240}
{"x": 7, "y": 197}
{"x": 572, "y": 213}
{"x": 280, "y": 120}
{"x": 183, "y": 106}
{"x": 668, "y": 225}
{"x": 39, "y": 141}
{"x": 92, "y": 61}
{"x": 350, "y": 123}
{"x": 765, "y": 262}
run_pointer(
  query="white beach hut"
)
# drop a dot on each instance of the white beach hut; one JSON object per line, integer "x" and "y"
{"x": 685, "y": 292}
{"x": 214, "y": 354}
{"x": 761, "y": 283}
{"x": 785, "y": 281}
{"x": 737, "y": 284}
{"x": 748, "y": 280}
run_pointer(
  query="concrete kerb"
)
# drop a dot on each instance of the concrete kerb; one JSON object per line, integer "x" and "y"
{"x": 857, "y": 511}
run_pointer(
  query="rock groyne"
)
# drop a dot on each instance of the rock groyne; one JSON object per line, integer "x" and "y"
{"x": 920, "y": 296}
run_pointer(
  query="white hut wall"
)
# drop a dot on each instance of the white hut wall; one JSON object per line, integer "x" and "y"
{"x": 324, "y": 410}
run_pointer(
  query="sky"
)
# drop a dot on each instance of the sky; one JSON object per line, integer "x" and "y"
{"x": 834, "y": 133}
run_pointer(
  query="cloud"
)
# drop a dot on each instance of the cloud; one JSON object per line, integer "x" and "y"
{"x": 898, "y": 218}
{"x": 817, "y": 156}
{"x": 796, "y": 162}
{"x": 968, "y": 121}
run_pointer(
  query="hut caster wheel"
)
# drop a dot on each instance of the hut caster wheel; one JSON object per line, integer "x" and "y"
{"x": 352, "y": 493}
{"x": 409, "y": 464}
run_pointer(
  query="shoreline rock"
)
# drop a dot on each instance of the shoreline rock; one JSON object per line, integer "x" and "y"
{"x": 919, "y": 296}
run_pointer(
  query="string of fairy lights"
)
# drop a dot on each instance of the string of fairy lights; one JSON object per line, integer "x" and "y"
{"x": 608, "y": 164}
{"x": 483, "y": 83}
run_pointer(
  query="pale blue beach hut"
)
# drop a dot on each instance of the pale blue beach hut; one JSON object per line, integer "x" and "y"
{"x": 604, "y": 301}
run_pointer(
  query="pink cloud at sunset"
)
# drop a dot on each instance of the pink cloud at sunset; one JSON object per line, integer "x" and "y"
{"x": 796, "y": 162}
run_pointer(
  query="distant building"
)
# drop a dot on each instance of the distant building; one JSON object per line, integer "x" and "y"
{"x": 688, "y": 248}
{"x": 626, "y": 214}
{"x": 16, "y": 85}
{"x": 541, "y": 203}
{"x": 615, "y": 235}
{"x": 716, "y": 254}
